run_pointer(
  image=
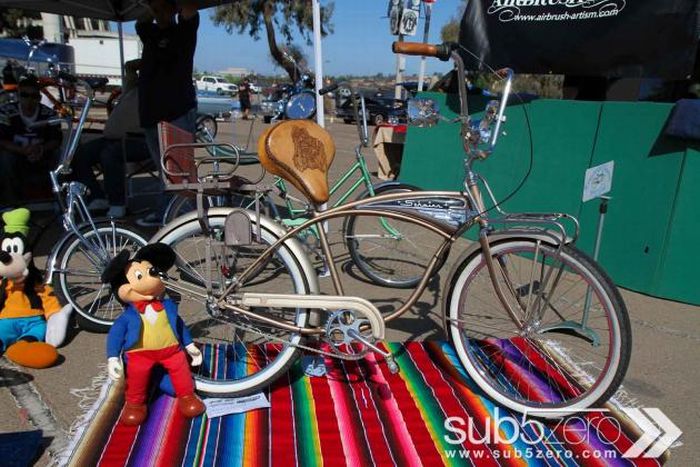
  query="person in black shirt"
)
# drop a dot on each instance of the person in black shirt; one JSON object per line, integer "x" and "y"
{"x": 244, "y": 97}
{"x": 166, "y": 91}
{"x": 27, "y": 153}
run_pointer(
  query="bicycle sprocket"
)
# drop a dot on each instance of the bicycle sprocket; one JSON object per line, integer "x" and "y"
{"x": 340, "y": 328}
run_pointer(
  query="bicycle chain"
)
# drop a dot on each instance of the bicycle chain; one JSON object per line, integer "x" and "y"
{"x": 342, "y": 356}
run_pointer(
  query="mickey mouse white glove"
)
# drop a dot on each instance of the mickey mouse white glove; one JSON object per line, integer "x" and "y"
{"x": 195, "y": 354}
{"x": 115, "y": 369}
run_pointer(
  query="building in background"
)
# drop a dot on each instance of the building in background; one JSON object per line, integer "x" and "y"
{"x": 95, "y": 45}
{"x": 235, "y": 72}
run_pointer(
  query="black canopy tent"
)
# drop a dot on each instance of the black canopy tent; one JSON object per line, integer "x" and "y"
{"x": 609, "y": 38}
{"x": 111, "y": 10}
{"x": 130, "y": 10}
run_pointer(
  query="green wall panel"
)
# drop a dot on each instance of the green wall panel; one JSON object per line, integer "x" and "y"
{"x": 652, "y": 225}
{"x": 647, "y": 171}
{"x": 677, "y": 276}
{"x": 431, "y": 156}
{"x": 563, "y": 138}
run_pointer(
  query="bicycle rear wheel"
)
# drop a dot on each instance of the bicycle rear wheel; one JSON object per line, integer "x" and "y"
{"x": 568, "y": 345}
{"x": 390, "y": 252}
{"x": 241, "y": 355}
{"x": 80, "y": 265}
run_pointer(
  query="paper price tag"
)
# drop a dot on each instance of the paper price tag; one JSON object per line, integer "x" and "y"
{"x": 217, "y": 407}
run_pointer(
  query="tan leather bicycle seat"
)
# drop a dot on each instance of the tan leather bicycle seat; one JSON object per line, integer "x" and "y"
{"x": 300, "y": 152}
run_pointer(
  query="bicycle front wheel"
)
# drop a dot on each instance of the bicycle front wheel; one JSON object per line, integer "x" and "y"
{"x": 566, "y": 344}
{"x": 390, "y": 252}
{"x": 241, "y": 354}
{"x": 80, "y": 266}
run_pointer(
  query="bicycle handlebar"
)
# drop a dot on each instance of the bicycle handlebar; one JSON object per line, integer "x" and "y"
{"x": 327, "y": 89}
{"x": 43, "y": 123}
{"x": 472, "y": 138}
{"x": 439, "y": 51}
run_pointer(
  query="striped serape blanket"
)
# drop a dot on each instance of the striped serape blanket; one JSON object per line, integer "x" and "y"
{"x": 358, "y": 414}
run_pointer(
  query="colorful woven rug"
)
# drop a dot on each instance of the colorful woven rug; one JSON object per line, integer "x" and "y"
{"x": 359, "y": 414}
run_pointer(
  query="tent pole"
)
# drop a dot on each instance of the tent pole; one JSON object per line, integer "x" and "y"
{"x": 426, "y": 33}
{"x": 318, "y": 63}
{"x": 400, "y": 67}
{"x": 121, "y": 51}
{"x": 318, "y": 68}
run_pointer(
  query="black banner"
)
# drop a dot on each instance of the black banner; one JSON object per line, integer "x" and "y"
{"x": 621, "y": 38}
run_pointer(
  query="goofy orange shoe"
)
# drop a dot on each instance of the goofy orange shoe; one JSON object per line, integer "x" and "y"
{"x": 149, "y": 332}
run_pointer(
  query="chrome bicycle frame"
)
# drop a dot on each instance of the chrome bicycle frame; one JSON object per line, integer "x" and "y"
{"x": 70, "y": 196}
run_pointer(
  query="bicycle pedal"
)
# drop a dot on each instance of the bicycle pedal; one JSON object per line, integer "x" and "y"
{"x": 392, "y": 365}
{"x": 314, "y": 365}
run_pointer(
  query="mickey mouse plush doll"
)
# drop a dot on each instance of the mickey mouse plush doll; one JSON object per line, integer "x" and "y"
{"x": 149, "y": 332}
{"x": 32, "y": 321}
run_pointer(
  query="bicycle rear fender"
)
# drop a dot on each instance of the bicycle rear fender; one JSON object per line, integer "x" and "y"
{"x": 550, "y": 237}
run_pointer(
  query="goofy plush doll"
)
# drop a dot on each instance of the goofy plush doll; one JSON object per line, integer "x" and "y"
{"x": 149, "y": 332}
{"x": 32, "y": 322}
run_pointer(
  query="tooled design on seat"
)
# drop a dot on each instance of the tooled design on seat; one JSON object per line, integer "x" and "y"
{"x": 300, "y": 151}
{"x": 308, "y": 151}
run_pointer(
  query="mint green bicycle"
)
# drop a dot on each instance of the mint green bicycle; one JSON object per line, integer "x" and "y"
{"x": 388, "y": 252}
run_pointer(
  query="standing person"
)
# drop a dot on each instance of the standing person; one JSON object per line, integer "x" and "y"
{"x": 166, "y": 92}
{"x": 329, "y": 102}
{"x": 26, "y": 152}
{"x": 244, "y": 97}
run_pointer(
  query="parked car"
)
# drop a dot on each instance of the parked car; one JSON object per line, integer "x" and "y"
{"x": 255, "y": 89}
{"x": 210, "y": 103}
{"x": 215, "y": 84}
{"x": 212, "y": 106}
{"x": 379, "y": 110}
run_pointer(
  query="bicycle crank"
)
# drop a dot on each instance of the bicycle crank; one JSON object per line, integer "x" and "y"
{"x": 350, "y": 338}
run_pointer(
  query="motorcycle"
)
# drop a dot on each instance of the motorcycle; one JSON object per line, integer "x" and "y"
{"x": 295, "y": 102}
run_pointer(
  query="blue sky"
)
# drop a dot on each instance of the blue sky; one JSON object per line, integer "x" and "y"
{"x": 360, "y": 44}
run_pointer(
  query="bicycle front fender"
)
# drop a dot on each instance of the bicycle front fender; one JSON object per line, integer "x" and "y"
{"x": 549, "y": 237}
